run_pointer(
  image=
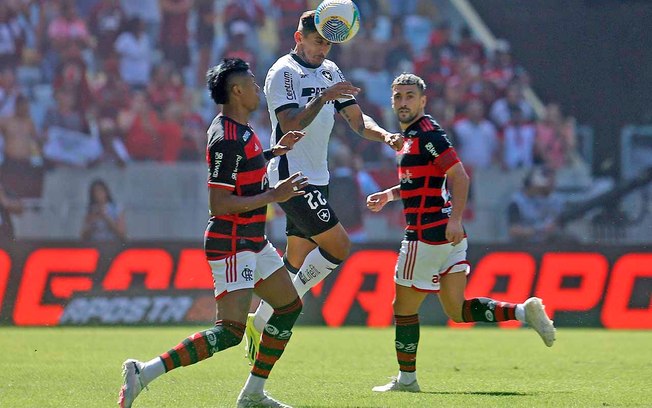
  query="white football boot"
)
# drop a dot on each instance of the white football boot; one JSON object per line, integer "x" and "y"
{"x": 395, "y": 385}
{"x": 258, "y": 400}
{"x": 535, "y": 316}
{"x": 132, "y": 384}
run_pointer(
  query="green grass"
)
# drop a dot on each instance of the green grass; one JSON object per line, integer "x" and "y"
{"x": 482, "y": 367}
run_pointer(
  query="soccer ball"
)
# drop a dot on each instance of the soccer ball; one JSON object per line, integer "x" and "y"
{"x": 337, "y": 20}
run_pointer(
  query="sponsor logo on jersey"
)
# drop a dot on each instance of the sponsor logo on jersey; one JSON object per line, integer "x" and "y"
{"x": 218, "y": 163}
{"x": 406, "y": 177}
{"x": 324, "y": 214}
{"x": 248, "y": 274}
{"x": 311, "y": 93}
{"x": 246, "y": 136}
{"x": 289, "y": 88}
{"x": 304, "y": 75}
{"x": 327, "y": 75}
{"x": 431, "y": 149}
{"x": 412, "y": 133}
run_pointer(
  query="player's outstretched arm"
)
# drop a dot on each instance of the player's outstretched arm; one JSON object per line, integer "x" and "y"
{"x": 376, "y": 201}
{"x": 367, "y": 127}
{"x": 300, "y": 118}
{"x": 223, "y": 201}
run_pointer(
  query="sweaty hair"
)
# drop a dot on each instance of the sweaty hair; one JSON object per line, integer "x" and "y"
{"x": 410, "y": 79}
{"x": 217, "y": 78}
{"x": 307, "y": 23}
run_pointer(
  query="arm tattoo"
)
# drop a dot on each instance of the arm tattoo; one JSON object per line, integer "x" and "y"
{"x": 310, "y": 111}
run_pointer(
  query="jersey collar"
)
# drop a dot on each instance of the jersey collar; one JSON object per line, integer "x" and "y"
{"x": 414, "y": 125}
{"x": 302, "y": 62}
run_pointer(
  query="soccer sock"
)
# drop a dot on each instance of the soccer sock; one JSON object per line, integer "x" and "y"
{"x": 317, "y": 265}
{"x": 487, "y": 310}
{"x": 406, "y": 343}
{"x": 152, "y": 369}
{"x": 274, "y": 338}
{"x": 202, "y": 345}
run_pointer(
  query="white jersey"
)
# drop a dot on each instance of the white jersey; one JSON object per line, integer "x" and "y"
{"x": 290, "y": 83}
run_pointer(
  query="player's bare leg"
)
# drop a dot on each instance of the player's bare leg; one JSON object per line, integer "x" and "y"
{"x": 406, "y": 342}
{"x": 278, "y": 292}
{"x": 319, "y": 258}
{"x": 460, "y": 309}
{"x": 227, "y": 332}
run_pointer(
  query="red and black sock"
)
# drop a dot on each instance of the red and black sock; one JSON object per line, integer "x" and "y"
{"x": 275, "y": 337}
{"x": 407, "y": 341}
{"x": 487, "y": 310}
{"x": 204, "y": 344}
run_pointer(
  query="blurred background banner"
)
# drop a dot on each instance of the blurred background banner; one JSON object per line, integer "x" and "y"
{"x": 51, "y": 284}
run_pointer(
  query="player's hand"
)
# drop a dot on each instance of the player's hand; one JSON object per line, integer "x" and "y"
{"x": 287, "y": 142}
{"x": 454, "y": 232}
{"x": 340, "y": 90}
{"x": 376, "y": 201}
{"x": 394, "y": 140}
{"x": 290, "y": 187}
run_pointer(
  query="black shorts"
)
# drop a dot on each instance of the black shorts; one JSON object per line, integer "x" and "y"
{"x": 310, "y": 214}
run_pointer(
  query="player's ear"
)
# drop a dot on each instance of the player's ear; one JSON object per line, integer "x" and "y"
{"x": 298, "y": 37}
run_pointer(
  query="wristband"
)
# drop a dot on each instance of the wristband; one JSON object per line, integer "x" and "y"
{"x": 390, "y": 195}
{"x": 269, "y": 154}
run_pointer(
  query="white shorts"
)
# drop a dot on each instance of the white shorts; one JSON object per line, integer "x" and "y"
{"x": 421, "y": 266}
{"x": 244, "y": 270}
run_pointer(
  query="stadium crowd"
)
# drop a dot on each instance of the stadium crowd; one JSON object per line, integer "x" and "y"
{"x": 108, "y": 82}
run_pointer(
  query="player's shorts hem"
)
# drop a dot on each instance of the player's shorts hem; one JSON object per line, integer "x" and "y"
{"x": 462, "y": 266}
{"x": 410, "y": 285}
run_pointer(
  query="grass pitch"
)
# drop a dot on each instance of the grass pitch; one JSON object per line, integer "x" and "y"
{"x": 481, "y": 367}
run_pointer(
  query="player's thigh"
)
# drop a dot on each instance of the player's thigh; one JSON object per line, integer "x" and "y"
{"x": 335, "y": 241}
{"x": 273, "y": 283}
{"x": 408, "y": 300}
{"x": 297, "y": 249}
{"x": 234, "y": 305}
{"x": 277, "y": 289}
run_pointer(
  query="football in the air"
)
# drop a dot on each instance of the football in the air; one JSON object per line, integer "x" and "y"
{"x": 337, "y": 21}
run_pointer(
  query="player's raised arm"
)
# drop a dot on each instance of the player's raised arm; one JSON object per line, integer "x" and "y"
{"x": 367, "y": 127}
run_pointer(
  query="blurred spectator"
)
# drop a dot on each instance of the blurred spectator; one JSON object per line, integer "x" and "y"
{"x": 170, "y": 133}
{"x": 174, "y": 32}
{"x": 22, "y": 168}
{"x": 250, "y": 12}
{"x": 205, "y": 35}
{"x": 68, "y": 32}
{"x": 12, "y": 37}
{"x": 165, "y": 86}
{"x": 9, "y": 92}
{"x": 71, "y": 78}
{"x": 403, "y": 7}
{"x": 534, "y": 210}
{"x": 135, "y": 51}
{"x": 237, "y": 45}
{"x": 287, "y": 21}
{"x": 104, "y": 221}
{"x": 114, "y": 151}
{"x": 68, "y": 141}
{"x": 555, "y": 138}
{"x": 364, "y": 55}
{"x": 110, "y": 92}
{"x": 140, "y": 124}
{"x": 518, "y": 142}
{"x": 106, "y": 21}
{"x": 475, "y": 137}
{"x": 148, "y": 11}
{"x": 8, "y": 206}
{"x": 470, "y": 47}
{"x": 501, "y": 110}
{"x": 193, "y": 146}
{"x": 399, "y": 51}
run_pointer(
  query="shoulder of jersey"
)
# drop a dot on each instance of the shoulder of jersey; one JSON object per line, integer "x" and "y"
{"x": 427, "y": 124}
{"x": 224, "y": 129}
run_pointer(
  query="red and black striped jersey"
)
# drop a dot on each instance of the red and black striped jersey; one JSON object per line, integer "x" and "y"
{"x": 422, "y": 164}
{"x": 235, "y": 163}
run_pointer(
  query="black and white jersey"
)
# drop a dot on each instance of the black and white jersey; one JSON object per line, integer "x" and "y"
{"x": 290, "y": 83}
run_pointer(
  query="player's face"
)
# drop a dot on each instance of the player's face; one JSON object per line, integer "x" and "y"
{"x": 312, "y": 48}
{"x": 408, "y": 103}
{"x": 250, "y": 92}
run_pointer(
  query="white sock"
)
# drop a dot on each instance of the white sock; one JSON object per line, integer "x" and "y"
{"x": 405, "y": 377}
{"x": 254, "y": 385}
{"x": 520, "y": 312}
{"x": 314, "y": 269}
{"x": 152, "y": 369}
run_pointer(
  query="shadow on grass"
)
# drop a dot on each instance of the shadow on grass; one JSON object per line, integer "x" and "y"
{"x": 490, "y": 393}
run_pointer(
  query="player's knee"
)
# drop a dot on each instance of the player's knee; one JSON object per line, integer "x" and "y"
{"x": 342, "y": 248}
{"x": 227, "y": 335}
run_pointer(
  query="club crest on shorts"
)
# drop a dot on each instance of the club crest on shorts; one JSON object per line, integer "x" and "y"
{"x": 248, "y": 274}
{"x": 324, "y": 214}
